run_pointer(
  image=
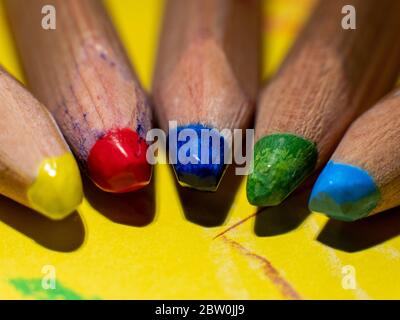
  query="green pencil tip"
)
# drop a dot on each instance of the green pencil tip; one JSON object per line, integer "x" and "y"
{"x": 281, "y": 163}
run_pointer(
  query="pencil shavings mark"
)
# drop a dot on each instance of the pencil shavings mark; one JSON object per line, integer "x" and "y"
{"x": 235, "y": 225}
{"x": 270, "y": 271}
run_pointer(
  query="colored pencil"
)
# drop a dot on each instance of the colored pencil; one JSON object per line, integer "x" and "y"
{"x": 81, "y": 73}
{"x": 363, "y": 175}
{"x": 330, "y": 76}
{"x": 37, "y": 168}
{"x": 206, "y": 79}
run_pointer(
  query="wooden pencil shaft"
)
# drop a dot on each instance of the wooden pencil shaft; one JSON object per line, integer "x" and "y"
{"x": 79, "y": 70}
{"x": 208, "y": 62}
{"x": 28, "y": 134}
{"x": 331, "y": 74}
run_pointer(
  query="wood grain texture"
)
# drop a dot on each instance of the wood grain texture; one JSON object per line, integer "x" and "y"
{"x": 331, "y": 75}
{"x": 208, "y": 63}
{"x": 372, "y": 143}
{"x": 28, "y": 134}
{"x": 80, "y": 70}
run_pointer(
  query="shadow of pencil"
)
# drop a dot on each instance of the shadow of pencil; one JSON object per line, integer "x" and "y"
{"x": 132, "y": 208}
{"x": 65, "y": 235}
{"x": 210, "y": 209}
{"x": 287, "y": 216}
{"x": 362, "y": 234}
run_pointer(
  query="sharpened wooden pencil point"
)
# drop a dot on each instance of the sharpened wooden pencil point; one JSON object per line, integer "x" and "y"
{"x": 36, "y": 166}
{"x": 363, "y": 176}
{"x": 82, "y": 74}
{"x": 207, "y": 74}
{"x": 330, "y": 76}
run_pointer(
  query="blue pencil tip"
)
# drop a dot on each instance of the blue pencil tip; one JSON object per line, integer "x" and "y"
{"x": 344, "y": 192}
{"x": 199, "y": 155}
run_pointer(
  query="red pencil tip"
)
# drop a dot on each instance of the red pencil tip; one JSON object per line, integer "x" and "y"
{"x": 117, "y": 162}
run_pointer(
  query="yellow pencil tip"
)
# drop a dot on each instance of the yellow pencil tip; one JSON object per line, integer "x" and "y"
{"x": 57, "y": 190}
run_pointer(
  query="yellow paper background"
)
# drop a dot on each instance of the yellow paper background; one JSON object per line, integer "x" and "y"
{"x": 161, "y": 243}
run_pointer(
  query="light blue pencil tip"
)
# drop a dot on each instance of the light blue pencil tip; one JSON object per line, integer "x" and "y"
{"x": 344, "y": 192}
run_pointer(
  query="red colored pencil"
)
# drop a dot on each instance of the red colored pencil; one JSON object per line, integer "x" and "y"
{"x": 81, "y": 73}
